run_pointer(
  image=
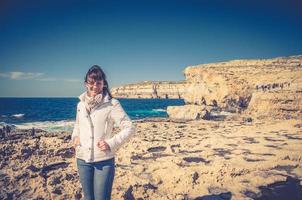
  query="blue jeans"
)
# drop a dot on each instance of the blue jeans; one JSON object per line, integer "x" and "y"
{"x": 96, "y": 178}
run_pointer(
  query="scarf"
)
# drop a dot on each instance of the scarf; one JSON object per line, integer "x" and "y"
{"x": 92, "y": 102}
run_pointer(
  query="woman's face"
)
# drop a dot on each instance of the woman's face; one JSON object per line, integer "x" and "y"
{"x": 94, "y": 87}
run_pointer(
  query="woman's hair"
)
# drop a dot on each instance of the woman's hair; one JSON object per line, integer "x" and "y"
{"x": 97, "y": 74}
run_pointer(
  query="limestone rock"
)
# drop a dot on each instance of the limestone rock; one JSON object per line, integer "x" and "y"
{"x": 151, "y": 89}
{"x": 257, "y": 87}
{"x": 187, "y": 112}
{"x": 266, "y": 87}
{"x": 280, "y": 105}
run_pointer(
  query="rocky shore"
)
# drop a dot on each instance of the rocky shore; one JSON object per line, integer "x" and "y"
{"x": 239, "y": 136}
{"x": 231, "y": 159}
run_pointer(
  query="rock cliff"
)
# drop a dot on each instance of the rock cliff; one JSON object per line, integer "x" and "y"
{"x": 258, "y": 87}
{"x": 261, "y": 88}
{"x": 151, "y": 89}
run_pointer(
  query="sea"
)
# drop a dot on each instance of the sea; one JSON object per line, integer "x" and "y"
{"x": 58, "y": 114}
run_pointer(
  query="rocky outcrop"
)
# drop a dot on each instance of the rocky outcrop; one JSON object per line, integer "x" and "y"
{"x": 151, "y": 89}
{"x": 266, "y": 87}
{"x": 277, "y": 104}
{"x": 188, "y": 112}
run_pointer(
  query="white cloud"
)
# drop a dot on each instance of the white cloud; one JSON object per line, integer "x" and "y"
{"x": 20, "y": 75}
{"x": 35, "y": 76}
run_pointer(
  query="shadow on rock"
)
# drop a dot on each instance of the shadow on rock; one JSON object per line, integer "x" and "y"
{"x": 51, "y": 167}
{"x": 282, "y": 190}
{"x": 222, "y": 196}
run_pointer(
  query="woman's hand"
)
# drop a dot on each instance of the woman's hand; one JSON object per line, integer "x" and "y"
{"x": 76, "y": 141}
{"x": 103, "y": 145}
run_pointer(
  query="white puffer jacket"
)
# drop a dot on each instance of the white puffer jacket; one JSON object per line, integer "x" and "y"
{"x": 98, "y": 125}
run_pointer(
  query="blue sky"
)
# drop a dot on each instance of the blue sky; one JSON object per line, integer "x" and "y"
{"x": 46, "y": 47}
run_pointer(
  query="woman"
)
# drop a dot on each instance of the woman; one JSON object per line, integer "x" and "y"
{"x": 95, "y": 144}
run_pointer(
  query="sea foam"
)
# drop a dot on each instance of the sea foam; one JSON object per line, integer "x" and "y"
{"x": 49, "y": 126}
{"x": 18, "y": 115}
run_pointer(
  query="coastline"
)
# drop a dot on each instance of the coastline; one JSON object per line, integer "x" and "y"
{"x": 166, "y": 159}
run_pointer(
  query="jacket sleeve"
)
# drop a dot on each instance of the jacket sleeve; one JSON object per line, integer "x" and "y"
{"x": 76, "y": 130}
{"x": 122, "y": 120}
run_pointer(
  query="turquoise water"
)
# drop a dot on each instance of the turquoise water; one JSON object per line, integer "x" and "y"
{"x": 56, "y": 114}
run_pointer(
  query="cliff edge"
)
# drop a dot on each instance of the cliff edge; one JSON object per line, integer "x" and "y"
{"x": 260, "y": 88}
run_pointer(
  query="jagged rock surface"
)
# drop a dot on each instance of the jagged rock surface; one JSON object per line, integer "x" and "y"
{"x": 163, "y": 160}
